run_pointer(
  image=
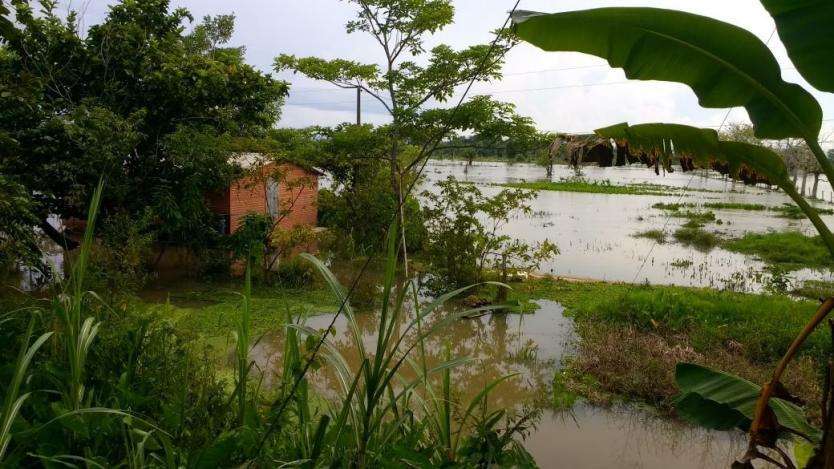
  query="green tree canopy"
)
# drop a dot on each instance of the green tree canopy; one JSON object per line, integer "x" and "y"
{"x": 136, "y": 99}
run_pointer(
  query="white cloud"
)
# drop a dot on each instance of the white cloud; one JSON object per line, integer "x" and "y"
{"x": 316, "y": 27}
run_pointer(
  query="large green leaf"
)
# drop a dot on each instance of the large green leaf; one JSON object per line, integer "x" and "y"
{"x": 701, "y": 145}
{"x": 806, "y": 27}
{"x": 724, "y": 65}
{"x": 719, "y": 400}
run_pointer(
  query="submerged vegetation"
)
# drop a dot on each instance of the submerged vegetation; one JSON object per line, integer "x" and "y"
{"x": 658, "y": 236}
{"x": 694, "y": 235}
{"x": 783, "y": 211}
{"x": 631, "y": 336}
{"x": 789, "y": 249}
{"x": 594, "y": 187}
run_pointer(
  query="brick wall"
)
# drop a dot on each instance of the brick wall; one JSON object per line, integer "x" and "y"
{"x": 297, "y": 194}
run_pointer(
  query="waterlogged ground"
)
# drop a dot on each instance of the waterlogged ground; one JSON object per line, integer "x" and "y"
{"x": 595, "y": 232}
{"x": 533, "y": 346}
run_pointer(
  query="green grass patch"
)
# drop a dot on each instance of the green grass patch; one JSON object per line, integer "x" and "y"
{"x": 814, "y": 289}
{"x": 213, "y": 311}
{"x": 631, "y": 337}
{"x": 694, "y": 216}
{"x": 795, "y": 213}
{"x": 593, "y": 187}
{"x": 672, "y": 206}
{"x": 736, "y": 206}
{"x": 693, "y": 235}
{"x": 783, "y": 211}
{"x": 764, "y": 324}
{"x": 656, "y": 235}
{"x": 790, "y": 249}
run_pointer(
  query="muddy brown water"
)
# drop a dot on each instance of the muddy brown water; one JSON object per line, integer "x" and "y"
{"x": 533, "y": 346}
{"x": 595, "y": 231}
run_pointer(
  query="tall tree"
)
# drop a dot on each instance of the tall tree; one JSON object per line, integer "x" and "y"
{"x": 404, "y": 87}
{"x": 137, "y": 100}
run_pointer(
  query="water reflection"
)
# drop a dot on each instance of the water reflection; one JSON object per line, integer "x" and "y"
{"x": 533, "y": 346}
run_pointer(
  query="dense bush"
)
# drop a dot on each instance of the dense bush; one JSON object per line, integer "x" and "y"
{"x": 362, "y": 217}
{"x": 465, "y": 239}
{"x": 120, "y": 259}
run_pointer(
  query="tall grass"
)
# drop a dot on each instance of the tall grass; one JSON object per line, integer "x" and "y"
{"x": 79, "y": 331}
{"x": 388, "y": 410}
{"x": 379, "y": 405}
{"x": 242, "y": 343}
{"x": 13, "y": 400}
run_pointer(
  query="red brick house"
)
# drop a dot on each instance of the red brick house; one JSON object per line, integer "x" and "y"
{"x": 286, "y": 191}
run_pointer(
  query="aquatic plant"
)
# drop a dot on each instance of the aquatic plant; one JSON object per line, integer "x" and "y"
{"x": 790, "y": 249}
{"x": 694, "y": 235}
{"x": 593, "y": 187}
{"x": 659, "y": 236}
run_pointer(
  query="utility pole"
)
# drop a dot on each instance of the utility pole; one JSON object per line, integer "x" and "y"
{"x": 358, "y": 106}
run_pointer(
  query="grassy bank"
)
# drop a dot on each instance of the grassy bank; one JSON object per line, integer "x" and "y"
{"x": 632, "y": 336}
{"x": 211, "y": 311}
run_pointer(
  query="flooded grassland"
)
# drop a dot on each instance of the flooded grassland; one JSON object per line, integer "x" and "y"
{"x": 593, "y": 361}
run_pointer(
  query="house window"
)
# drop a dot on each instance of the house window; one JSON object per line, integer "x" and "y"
{"x": 221, "y": 223}
{"x": 272, "y": 198}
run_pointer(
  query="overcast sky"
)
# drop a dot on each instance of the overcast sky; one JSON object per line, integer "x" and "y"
{"x": 561, "y": 91}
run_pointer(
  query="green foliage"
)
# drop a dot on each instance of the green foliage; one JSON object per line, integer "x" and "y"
{"x": 250, "y": 238}
{"x": 119, "y": 261}
{"x": 668, "y": 45}
{"x": 18, "y": 243}
{"x": 658, "y": 236}
{"x": 133, "y": 98}
{"x": 735, "y": 206}
{"x": 14, "y": 400}
{"x": 464, "y": 239}
{"x": 126, "y": 373}
{"x": 592, "y": 187}
{"x": 804, "y": 29}
{"x": 789, "y": 249}
{"x": 694, "y": 235}
{"x": 814, "y": 289}
{"x": 721, "y": 401}
{"x": 701, "y": 145}
{"x": 411, "y": 78}
{"x": 361, "y": 212}
{"x": 711, "y": 319}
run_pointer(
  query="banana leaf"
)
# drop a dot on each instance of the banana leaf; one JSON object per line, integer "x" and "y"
{"x": 724, "y": 65}
{"x": 700, "y": 145}
{"x": 719, "y": 401}
{"x": 806, "y": 27}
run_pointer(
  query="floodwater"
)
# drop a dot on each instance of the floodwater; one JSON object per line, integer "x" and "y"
{"x": 533, "y": 346}
{"x": 595, "y": 232}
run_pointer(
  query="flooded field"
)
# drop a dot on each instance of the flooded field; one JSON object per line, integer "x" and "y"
{"x": 595, "y": 231}
{"x": 533, "y": 346}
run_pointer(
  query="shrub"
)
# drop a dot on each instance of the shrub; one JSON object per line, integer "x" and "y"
{"x": 294, "y": 273}
{"x": 464, "y": 238}
{"x": 119, "y": 262}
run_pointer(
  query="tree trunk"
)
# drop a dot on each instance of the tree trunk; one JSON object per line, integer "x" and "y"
{"x": 57, "y": 236}
{"x": 804, "y": 183}
{"x": 816, "y": 184}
